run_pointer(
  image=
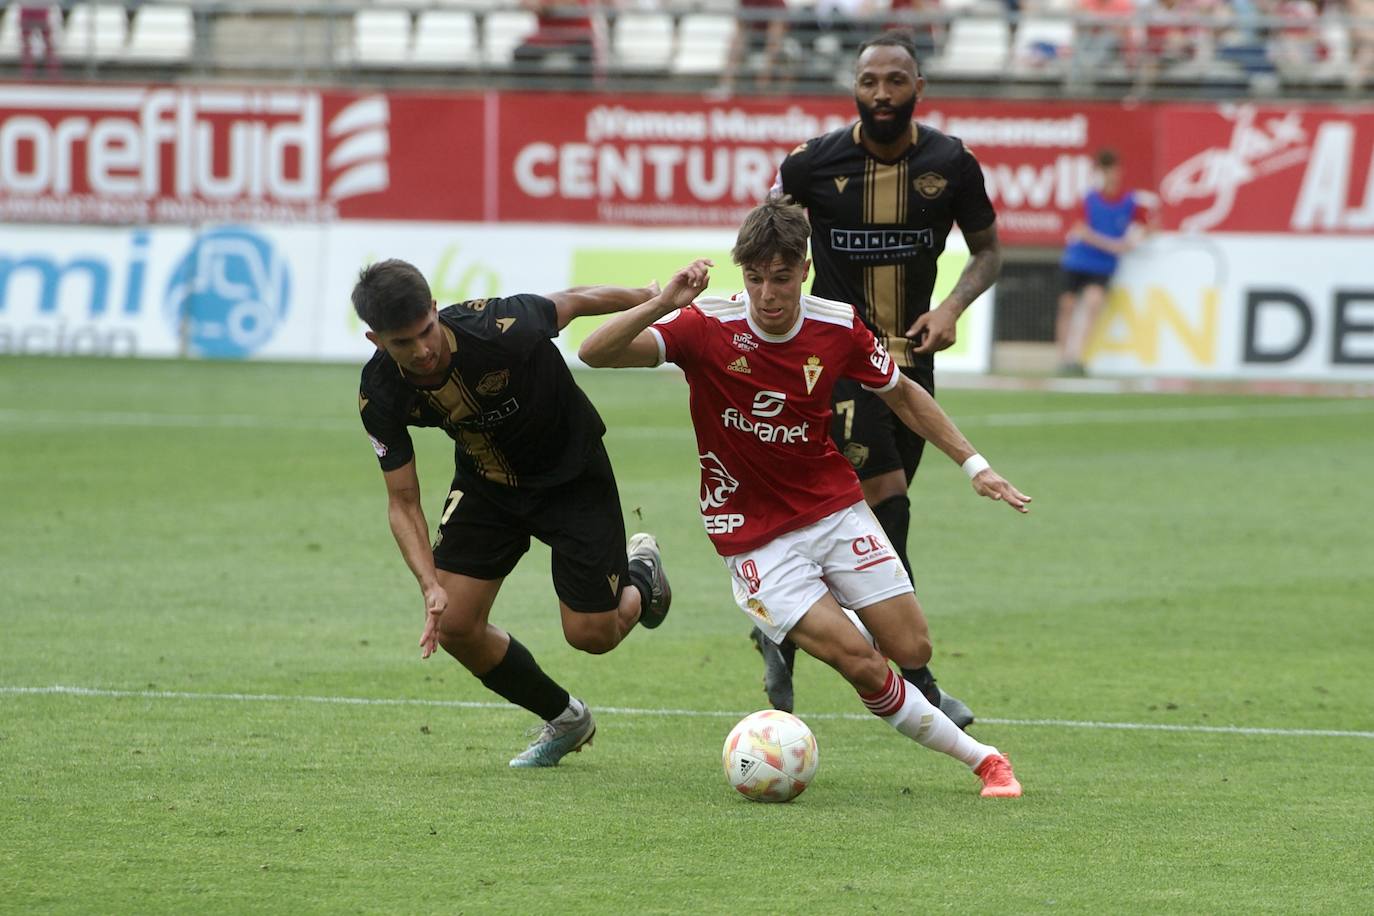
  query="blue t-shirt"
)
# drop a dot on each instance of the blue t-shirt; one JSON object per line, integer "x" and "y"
{"x": 1105, "y": 217}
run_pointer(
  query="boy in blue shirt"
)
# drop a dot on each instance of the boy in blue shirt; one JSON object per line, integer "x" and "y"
{"x": 1095, "y": 245}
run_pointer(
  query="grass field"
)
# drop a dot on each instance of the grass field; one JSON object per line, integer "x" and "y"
{"x": 1175, "y": 647}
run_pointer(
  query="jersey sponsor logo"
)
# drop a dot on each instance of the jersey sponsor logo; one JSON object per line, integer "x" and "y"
{"x": 812, "y": 371}
{"x": 493, "y": 382}
{"x": 880, "y": 241}
{"x": 378, "y": 446}
{"x": 880, "y": 359}
{"x": 505, "y": 324}
{"x": 740, "y": 365}
{"x": 744, "y": 342}
{"x": 488, "y": 417}
{"x": 229, "y": 293}
{"x": 717, "y": 484}
{"x": 930, "y": 185}
{"x": 768, "y": 403}
{"x": 840, "y": 182}
{"x": 723, "y": 524}
{"x": 765, "y": 432}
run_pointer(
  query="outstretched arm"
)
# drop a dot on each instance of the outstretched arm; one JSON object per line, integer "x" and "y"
{"x": 598, "y": 300}
{"x": 937, "y": 326}
{"x": 918, "y": 410}
{"x": 624, "y": 340}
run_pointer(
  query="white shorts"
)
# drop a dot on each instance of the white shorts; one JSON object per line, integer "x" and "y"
{"x": 846, "y": 553}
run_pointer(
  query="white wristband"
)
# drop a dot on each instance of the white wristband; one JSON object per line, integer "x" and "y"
{"x": 975, "y": 465}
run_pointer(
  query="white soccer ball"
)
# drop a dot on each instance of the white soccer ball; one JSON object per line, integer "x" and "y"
{"x": 770, "y": 756}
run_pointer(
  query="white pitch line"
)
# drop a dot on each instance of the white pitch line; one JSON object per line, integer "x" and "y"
{"x": 14, "y": 417}
{"x": 63, "y": 690}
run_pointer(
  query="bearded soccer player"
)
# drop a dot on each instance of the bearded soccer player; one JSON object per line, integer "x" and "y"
{"x": 882, "y": 196}
{"x": 782, "y": 506}
{"x": 530, "y": 463}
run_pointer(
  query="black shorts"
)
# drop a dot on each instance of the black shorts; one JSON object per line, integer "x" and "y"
{"x": 1075, "y": 280}
{"x": 870, "y": 435}
{"x": 487, "y": 533}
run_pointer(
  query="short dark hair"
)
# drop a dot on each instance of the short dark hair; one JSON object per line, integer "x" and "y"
{"x": 776, "y": 227}
{"x": 893, "y": 38}
{"x": 390, "y": 295}
{"x": 1107, "y": 158}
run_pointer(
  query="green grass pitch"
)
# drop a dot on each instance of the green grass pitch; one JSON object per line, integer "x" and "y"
{"x": 1175, "y": 648}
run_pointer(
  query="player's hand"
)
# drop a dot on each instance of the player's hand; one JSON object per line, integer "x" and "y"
{"x": 688, "y": 283}
{"x": 934, "y": 331}
{"x": 436, "y": 602}
{"x": 989, "y": 483}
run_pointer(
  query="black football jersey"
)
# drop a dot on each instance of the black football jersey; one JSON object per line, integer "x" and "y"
{"x": 878, "y": 227}
{"x": 509, "y": 402}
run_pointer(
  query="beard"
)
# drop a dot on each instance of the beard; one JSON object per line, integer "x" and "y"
{"x": 886, "y": 131}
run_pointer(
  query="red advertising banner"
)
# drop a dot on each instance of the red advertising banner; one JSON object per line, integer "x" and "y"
{"x": 1250, "y": 168}
{"x": 165, "y": 154}
{"x": 162, "y": 154}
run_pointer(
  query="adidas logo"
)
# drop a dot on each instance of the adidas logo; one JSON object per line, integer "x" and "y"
{"x": 740, "y": 365}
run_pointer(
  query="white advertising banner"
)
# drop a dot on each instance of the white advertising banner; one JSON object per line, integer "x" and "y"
{"x": 1240, "y": 306}
{"x": 282, "y": 291}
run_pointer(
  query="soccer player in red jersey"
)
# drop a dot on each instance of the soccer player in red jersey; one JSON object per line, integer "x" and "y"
{"x": 782, "y": 506}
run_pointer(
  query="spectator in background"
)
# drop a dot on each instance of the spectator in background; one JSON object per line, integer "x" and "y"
{"x": 35, "y": 24}
{"x": 1103, "y": 36}
{"x": 1293, "y": 44}
{"x": 1174, "y": 35}
{"x": 1095, "y": 245}
{"x": 762, "y": 23}
{"x": 564, "y": 27}
{"x": 920, "y": 18}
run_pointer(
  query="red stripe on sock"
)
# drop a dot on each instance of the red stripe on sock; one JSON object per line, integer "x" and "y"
{"x": 889, "y": 700}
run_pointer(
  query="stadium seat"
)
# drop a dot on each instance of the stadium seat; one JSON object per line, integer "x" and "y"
{"x": 642, "y": 41}
{"x": 161, "y": 33}
{"x": 381, "y": 37}
{"x": 703, "y": 43}
{"x": 93, "y": 32}
{"x": 9, "y": 32}
{"x": 1042, "y": 42}
{"x": 976, "y": 46}
{"x": 502, "y": 33}
{"x": 446, "y": 38}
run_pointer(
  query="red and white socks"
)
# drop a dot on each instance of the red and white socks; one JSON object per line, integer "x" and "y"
{"x": 902, "y": 706}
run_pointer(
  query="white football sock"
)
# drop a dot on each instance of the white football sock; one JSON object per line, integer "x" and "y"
{"x": 902, "y": 706}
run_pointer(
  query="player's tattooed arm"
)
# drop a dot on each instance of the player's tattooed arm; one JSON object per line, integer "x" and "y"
{"x": 936, "y": 329}
{"x": 598, "y": 300}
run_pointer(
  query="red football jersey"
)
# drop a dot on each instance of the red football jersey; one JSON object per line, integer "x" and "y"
{"x": 761, "y": 407}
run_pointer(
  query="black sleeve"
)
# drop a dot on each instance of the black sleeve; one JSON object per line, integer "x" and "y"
{"x": 389, "y": 436}
{"x": 521, "y": 321}
{"x": 795, "y": 174}
{"x": 972, "y": 209}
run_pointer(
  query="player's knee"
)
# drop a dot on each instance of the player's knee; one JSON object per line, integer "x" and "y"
{"x": 455, "y": 634}
{"x": 912, "y": 651}
{"x": 592, "y": 636}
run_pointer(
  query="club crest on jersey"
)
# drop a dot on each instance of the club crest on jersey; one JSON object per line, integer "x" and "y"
{"x": 493, "y": 382}
{"x": 930, "y": 185}
{"x": 740, "y": 365}
{"x": 744, "y": 342}
{"x": 812, "y": 371}
{"x": 856, "y": 454}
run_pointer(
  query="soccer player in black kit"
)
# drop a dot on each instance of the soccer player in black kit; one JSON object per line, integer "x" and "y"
{"x": 882, "y": 195}
{"x": 529, "y": 463}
